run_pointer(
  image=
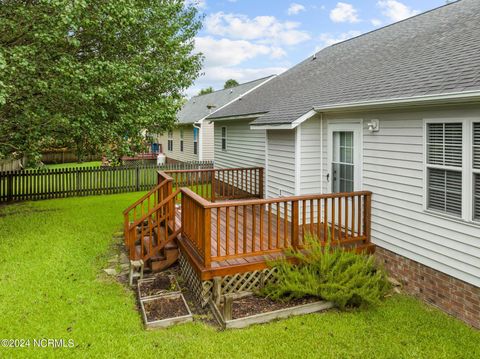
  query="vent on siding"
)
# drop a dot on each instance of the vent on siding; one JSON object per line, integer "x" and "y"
{"x": 445, "y": 191}
{"x": 444, "y": 144}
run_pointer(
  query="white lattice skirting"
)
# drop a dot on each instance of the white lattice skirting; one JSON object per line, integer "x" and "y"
{"x": 241, "y": 282}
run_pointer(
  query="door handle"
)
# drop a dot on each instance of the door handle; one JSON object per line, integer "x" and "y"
{"x": 328, "y": 177}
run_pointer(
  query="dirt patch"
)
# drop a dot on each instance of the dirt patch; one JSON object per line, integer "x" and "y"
{"x": 159, "y": 285}
{"x": 164, "y": 308}
{"x": 251, "y": 305}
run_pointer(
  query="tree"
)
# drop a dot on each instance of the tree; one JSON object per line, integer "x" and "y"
{"x": 205, "y": 91}
{"x": 92, "y": 75}
{"x": 230, "y": 83}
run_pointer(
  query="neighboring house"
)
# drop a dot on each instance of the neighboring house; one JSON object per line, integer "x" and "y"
{"x": 192, "y": 138}
{"x": 397, "y": 112}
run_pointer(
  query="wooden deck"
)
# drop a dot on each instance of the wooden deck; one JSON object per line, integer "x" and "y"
{"x": 246, "y": 235}
{"x": 236, "y": 236}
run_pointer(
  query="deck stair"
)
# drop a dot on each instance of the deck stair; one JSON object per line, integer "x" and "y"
{"x": 151, "y": 228}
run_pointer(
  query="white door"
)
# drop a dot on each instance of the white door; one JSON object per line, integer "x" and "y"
{"x": 344, "y": 158}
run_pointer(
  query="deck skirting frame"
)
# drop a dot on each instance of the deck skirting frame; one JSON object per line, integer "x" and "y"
{"x": 204, "y": 290}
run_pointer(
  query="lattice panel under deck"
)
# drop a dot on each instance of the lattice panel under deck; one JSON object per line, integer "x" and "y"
{"x": 202, "y": 290}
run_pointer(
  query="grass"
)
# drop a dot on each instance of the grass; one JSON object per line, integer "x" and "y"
{"x": 51, "y": 286}
{"x": 74, "y": 165}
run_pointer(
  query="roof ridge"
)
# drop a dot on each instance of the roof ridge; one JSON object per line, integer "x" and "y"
{"x": 229, "y": 88}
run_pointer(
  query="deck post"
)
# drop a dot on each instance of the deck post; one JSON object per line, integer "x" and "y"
{"x": 295, "y": 224}
{"x": 207, "y": 236}
{"x": 367, "y": 214}
{"x": 260, "y": 183}
{"x": 212, "y": 174}
{"x": 217, "y": 290}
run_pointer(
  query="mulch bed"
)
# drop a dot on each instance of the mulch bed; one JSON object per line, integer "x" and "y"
{"x": 161, "y": 284}
{"x": 251, "y": 305}
{"x": 164, "y": 308}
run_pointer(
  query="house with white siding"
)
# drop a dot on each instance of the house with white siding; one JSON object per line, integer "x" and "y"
{"x": 396, "y": 112}
{"x": 192, "y": 138}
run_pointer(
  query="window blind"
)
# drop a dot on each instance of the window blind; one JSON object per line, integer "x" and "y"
{"x": 444, "y": 144}
{"x": 444, "y": 149}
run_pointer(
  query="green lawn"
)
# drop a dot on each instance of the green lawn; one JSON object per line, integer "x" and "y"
{"x": 74, "y": 165}
{"x": 51, "y": 286}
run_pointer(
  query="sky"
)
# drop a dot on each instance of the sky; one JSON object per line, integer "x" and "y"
{"x": 249, "y": 39}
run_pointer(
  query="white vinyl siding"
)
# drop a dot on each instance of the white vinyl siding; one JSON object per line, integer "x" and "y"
{"x": 208, "y": 144}
{"x": 394, "y": 170}
{"x": 176, "y": 154}
{"x": 281, "y": 163}
{"x": 246, "y": 148}
{"x": 311, "y": 174}
{"x": 444, "y": 145}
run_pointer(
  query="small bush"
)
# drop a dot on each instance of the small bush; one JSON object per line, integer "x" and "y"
{"x": 330, "y": 273}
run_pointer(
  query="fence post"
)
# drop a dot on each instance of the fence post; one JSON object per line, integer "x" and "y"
{"x": 9, "y": 186}
{"x": 137, "y": 178}
{"x": 77, "y": 182}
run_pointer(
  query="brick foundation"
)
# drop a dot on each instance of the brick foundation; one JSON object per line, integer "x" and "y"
{"x": 453, "y": 296}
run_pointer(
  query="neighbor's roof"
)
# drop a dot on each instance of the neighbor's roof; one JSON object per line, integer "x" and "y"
{"x": 436, "y": 52}
{"x": 198, "y": 107}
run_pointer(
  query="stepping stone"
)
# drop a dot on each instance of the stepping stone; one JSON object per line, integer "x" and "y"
{"x": 110, "y": 271}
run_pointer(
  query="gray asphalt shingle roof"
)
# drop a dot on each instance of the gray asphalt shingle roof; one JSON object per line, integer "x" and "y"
{"x": 198, "y": 106}
{"x": 436, "y": 52}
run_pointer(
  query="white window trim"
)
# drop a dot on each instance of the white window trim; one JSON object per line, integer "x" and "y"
{"x": 466, "y": 168}
{"x": 355, "y": 126}
{"x": 222, "y": 137}
{"x": 181, "y": 140}
{"x": 170, "y": 140}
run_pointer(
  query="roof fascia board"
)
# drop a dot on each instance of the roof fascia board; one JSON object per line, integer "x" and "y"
{"x": 402, "y": 101}
{"x": 287, "y": 126}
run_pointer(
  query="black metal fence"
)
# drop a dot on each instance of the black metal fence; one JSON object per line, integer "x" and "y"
{"x": 37, "y": 184}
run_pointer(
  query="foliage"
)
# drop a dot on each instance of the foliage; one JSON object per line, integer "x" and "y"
{"x": 230, "y": 83}
{"x": 331, "y": 273}
{"x": 52, "y": 286}
{"x": 92, "y": 75}
{"x": 205, "y": 91}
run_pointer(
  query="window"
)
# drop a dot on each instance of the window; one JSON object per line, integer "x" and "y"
{"x": 170, "y": 141}
{"x": 476, "y": 171}
{"x": 195, "y": 140}
{"x": 181, "y": 140}
{"x": 342, "y": 162}
{"x": 444, "y": 167}
{"x": 224, "y": 138}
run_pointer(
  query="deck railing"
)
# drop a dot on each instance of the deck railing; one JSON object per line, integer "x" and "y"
{"x": 221, "y": 184}
{"x": 239, "y": 229}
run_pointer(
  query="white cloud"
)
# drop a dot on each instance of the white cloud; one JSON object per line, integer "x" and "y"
{"x": 395, "y": 10}
{"x": 266, "y": 29}
{"x": 295, "y": 9}
{"x": 328, "y": 39}
{"x": 226, "y": 52}
{"x": 344, "y": 12}
{"x": 376, "y": 22}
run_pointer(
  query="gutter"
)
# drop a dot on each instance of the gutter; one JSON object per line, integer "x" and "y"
{"x": 447, "y": 98}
